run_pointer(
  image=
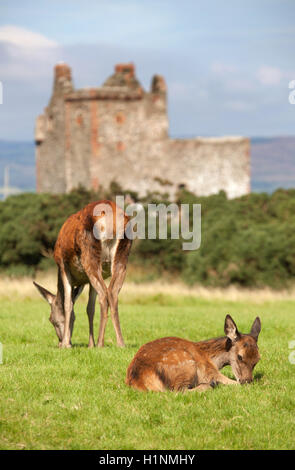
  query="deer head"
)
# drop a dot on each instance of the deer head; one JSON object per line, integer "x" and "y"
{"x": 57, "y": 316}
{"x": 242, "y": 349}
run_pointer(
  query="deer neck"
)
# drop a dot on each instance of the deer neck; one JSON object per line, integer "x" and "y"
{"x": 217, "y": 349}
{"x": 60, "y": 298}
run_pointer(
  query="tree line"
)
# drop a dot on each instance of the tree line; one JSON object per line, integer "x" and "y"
{"x": 249, "y": 241}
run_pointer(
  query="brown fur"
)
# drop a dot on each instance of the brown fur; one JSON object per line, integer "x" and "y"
{"x": 82, "y": 259}
{"x": 179, "y": 364}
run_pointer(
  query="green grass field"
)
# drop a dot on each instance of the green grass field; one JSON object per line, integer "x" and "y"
{"x": 77, "y": 399}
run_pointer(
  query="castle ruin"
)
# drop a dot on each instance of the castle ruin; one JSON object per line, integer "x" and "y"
{"x": 119, "y": 132}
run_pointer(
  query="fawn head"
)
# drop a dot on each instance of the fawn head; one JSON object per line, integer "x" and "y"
{"x": 242, "y": 349}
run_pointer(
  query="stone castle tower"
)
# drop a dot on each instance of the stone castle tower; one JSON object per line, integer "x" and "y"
{"x": 119, "y": 132}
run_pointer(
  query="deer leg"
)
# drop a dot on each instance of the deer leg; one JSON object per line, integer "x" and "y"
{"x": 222, "y": 379}
{"x": 72, "y": 321}
{"x": 101, "y": 289}
{"x": 90, "y": 313}
{"x": 212, "y": 376}
{"x": 209, "y": 376}
{"x": 92, "y": 267}
{"x": 118, "y": 276}
{"x": 76, "y": 292}
{"x": 68, "y": 311}
{"x": 113, "y": 292}
{"x": 103, "y": 301}
{"x": 99, "y": 286}
{"x": 113, "y": 302}
{"x": 200, "y": 388}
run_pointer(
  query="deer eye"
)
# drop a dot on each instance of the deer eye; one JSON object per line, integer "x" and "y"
{"x": 240, "y": 357}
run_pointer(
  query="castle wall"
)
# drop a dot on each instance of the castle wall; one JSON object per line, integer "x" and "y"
{"x": 208, "y": 165}
{"x": 203, "y": 166}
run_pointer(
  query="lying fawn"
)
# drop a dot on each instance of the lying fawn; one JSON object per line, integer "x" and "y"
{"x": 91, "y": 246}
{"x": 178, "y": 364}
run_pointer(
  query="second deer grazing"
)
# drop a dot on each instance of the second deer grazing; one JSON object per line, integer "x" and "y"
{"x": 91, "y": 246}
{"x": 178, "y": 364}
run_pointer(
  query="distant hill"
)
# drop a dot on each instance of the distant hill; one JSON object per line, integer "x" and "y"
{"x": 20, "y": 156}
{"x": 272, "y": 163}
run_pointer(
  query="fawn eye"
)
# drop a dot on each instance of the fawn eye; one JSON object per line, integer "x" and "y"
{"x": 240, "y": 357}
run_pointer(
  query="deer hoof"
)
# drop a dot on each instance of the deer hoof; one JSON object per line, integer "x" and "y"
{"x": 65, "y": 345}
{"x": 213, "y": 384}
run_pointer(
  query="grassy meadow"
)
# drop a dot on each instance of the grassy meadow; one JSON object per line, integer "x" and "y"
{"x": 77, "y": 399}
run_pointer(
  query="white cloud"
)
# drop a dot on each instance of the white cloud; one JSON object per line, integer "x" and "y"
{"x": 269, "y": 75}
{"x": 221, "y": 69}
{"x": 24, "y": 38}
{"x": 26, "y": 55}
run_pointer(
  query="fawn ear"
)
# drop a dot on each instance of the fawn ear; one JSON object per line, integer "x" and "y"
{"x": 45, "y": 293}
{"x": 230, "y": 329}
{"x": 255, "y": 329}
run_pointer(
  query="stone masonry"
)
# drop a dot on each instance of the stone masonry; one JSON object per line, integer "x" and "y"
{"x": 119, "y": 132}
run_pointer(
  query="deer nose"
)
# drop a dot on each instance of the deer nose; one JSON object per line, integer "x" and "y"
{"x": 246, "y": 381}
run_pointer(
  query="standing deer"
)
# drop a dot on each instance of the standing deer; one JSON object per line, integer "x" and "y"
{"x": 178, "y": 364}
{"x": 91, "y": 246}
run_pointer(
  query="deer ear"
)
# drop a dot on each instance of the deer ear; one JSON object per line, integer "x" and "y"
{"x": 45, "y": 293}
{"x": 230, "y": 329}
{"x": 255, "y": 329}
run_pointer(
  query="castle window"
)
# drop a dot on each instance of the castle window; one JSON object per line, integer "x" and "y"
{"x": 79, "y": 119}
{"x": 120, "y": 146}
{"x": 120, "y": 118}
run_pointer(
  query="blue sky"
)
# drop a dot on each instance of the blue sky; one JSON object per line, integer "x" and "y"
{"x": 227, "y": 64}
